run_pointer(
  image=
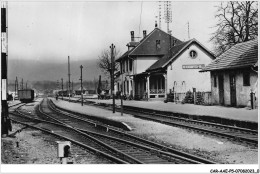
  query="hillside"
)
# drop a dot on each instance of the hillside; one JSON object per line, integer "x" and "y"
{"x": 39, "y": 70}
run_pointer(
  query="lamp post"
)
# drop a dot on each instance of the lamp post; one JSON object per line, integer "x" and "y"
{"x": 112, "y": 47}
{"x": 81, "y": 84}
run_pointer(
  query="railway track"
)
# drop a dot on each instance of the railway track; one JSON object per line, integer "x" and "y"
{"x": 130, "y": 148}
{"x": 79, "y": 151}
{"x": 17, "y": 105}
{"x": 66, "y": 133}
{"x": 236, "y": 134}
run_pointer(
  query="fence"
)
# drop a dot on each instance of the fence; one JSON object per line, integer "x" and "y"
{"x": 202, "y": 98}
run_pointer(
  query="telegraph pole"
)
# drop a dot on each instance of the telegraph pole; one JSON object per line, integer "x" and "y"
{"x": 62, "y": 88}
{"x": 81, "y": 84}
{"x": 69, "y": 75}
{"x": 57, "y": 84}
{"x": 112, "y": 47}
{"x": 16, "y": 86}
{"x": 5, "y": 120}
{"x": 22, "y": 84}
{"x": 72, "y": 87}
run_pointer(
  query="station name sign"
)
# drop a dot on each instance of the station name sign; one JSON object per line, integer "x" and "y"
{"x": 194, "y": 66}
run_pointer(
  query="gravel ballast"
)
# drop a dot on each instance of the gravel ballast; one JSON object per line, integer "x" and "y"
{"x": 220, "y": 150}
{"x": 35, "y": 147}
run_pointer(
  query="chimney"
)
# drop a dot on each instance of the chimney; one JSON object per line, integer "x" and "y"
{"x": 144, "y": 33}
{"x": 132, "y": 36}
{"x": 155, "y": 24}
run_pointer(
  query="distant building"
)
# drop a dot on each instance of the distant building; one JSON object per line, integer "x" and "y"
{"x": 234, "y": 75}
{"x": 160, "y": 63}
{"x": 78, "y": 91}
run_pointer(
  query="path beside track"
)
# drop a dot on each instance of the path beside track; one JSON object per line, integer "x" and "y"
{"x": 244, "y": 114}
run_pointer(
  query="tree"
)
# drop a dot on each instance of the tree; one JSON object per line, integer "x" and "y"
{"x": 237, "y": 22}
{"x": 104, "y": 62}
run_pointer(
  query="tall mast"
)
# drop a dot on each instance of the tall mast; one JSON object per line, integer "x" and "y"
{"x": 160, "y": 13}
{"x": 168, "y": 14}
{"x": 69, "y": 74}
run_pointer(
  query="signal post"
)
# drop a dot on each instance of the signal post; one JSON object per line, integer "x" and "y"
{"x": 5, "y": 120}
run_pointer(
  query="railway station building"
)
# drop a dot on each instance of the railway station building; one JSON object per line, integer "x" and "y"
{"x": 234, "y": 75}
{"x": 160, "y": 64}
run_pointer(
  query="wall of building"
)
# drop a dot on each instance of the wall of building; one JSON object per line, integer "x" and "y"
{"x": 227, "y": 100}
{"x": 143, "y": 63}
{"x": 125, "y": 77}
{"x": 242, "y": 92}
{"x": 122, "y": 80}
{"x": 214, "y": 90}
{"x": 192, "y": 78}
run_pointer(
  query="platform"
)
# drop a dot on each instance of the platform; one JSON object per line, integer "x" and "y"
{"x": 243, "y": 114}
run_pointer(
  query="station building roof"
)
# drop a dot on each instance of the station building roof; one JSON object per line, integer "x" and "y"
{"x": 147, "y": 46}
{"x": 175, "y": 52}
{"x": 239, "y": 56}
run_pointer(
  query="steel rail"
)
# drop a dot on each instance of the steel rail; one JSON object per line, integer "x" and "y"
{"x": 125, "y": 156}
{"x": 253, "y": 141}
{"x": 164, "y": 149}
{"x": 113, "y": 158}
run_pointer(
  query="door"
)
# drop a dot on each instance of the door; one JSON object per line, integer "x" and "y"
{"x": 221, "y": 89}
{"x": 233, "y": 101}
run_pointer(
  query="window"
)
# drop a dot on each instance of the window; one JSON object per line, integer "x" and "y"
{"x": 215, "y": 80}
{"x": 124, "y": 86}
{"x": 118, "y": 87}
{"x": 193, "y": 54}
{"x": 126, "y": 65}
{"x": 246, "y": 78}
{"x": 130, "y": 64}
{"x": 158, "y": 46}
{"x": 127, "y": 83}
{"x": 123, "y": 65}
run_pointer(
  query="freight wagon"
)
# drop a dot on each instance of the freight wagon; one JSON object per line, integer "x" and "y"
{"x": 26, "y": 95}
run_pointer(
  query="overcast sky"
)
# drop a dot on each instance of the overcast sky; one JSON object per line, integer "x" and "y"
{"x": 81, "y": 30}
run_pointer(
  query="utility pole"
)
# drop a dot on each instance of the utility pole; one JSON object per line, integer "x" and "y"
{"x": 5, "y": 120}
{"x": 81, "y": 85}
{"x": 69, "y": 75}
{"x": 112, "y": 47}
{"x": 57, "y": 84}
{"x": 16, "y": 86}
{"x": 72, "y": 87}
{"x": 26, "y": 85}
{"x": 22, "y": 84}
{"x": 62, "y": 88}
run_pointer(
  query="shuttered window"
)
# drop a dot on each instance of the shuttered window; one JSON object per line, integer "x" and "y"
{"x": 246, "y": 78}
{"x": 130, "y": 64}
{"x": 215, "y": 80}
